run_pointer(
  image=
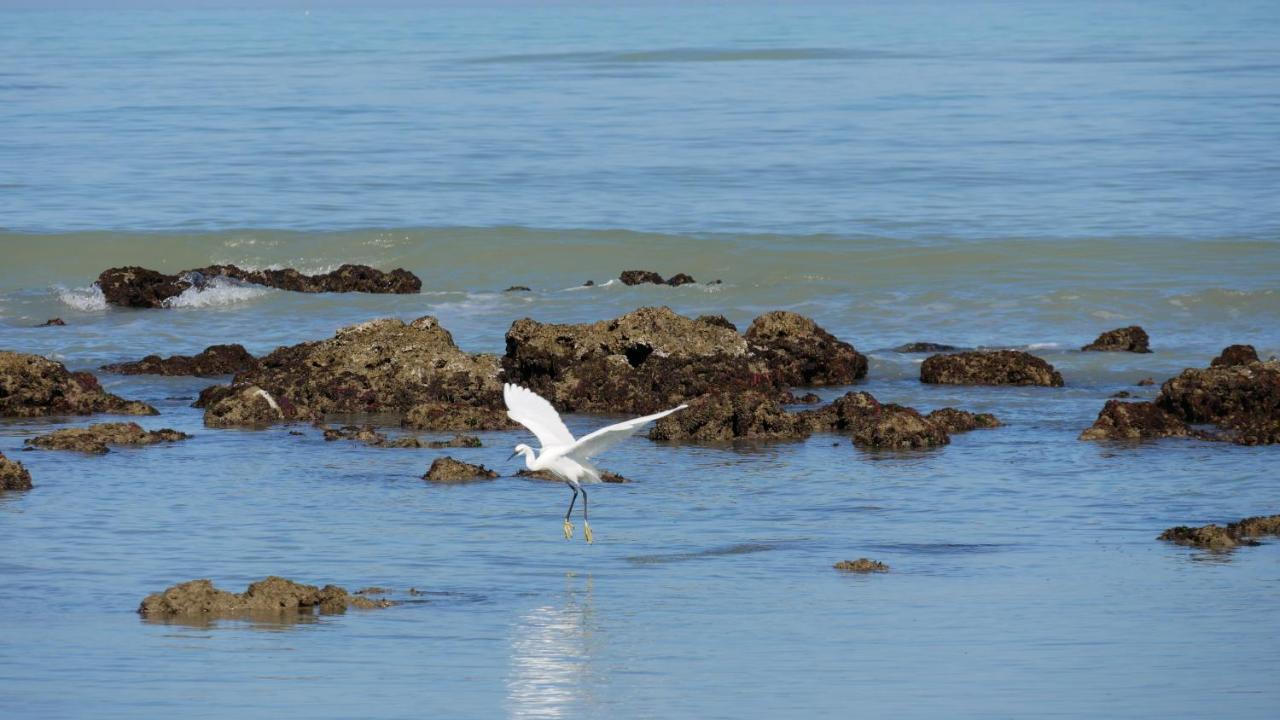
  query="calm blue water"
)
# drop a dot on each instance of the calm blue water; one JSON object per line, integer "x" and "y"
{"x": 984, "y": 173}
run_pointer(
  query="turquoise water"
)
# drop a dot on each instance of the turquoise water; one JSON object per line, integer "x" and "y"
{"x": 995, "y": 174}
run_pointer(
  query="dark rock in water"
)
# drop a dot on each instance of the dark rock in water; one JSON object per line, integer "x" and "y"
{"x": 517, "y": 288}
{"x": 378, "y": 366}
{"x": 1144, "y": 382}
{"x": 369, "y": 435}
{"x": 994, "y": 367}
{"x": 805, "y": 399}
{"x": 1244, "y": 400}
{"x": 956, "y": 421}
{"x": 360, "y": 433}
{"x": 718, "y": 320}
{"x": 446, "y": 417}
{"x": 728, "y": 416}
{"x": 1234, "y": 534}
{"x": 924, "y": 347}
{"x": 13, "y": 476}
{"x": 1122, "y": 394}
{"x": 457, "y": 441}
{"x": 842, "y": 415}
{"x": 800, "y": 352}
{"x": 244, "y": 406}
{"x": 141, "y": 287}
{"x": 680, "y": 279}
{"x": 213, "y": 360}
{"x": 1236, "y": 355}
{"x": 1134, "y": 421}
{"x": 861, "y": 565}
{"x": 605, "y": 476}
{"x": 1129, "y": 339}
{"x": 447, "y": 470}
{"x": 873, "y": 425}
{"x": 273, "y": 594}
{"x": 96, "y": 438}
{"x": 638, "y": 277}
{"x": 32, "y": 386}
{"x": 52, "y": 322}
{"x": 589, "y": 283}
{"x": 212, "y": 394}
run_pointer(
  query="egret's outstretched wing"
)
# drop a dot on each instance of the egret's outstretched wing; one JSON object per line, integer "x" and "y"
{"x": 534, "y": 412}
{"x": 604, "y": 438}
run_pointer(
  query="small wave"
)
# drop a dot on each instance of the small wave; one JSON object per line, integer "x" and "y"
{"x": 87, "y": 299}
{"x": 1044, "y": 346}
{"x": 218, "y": 291}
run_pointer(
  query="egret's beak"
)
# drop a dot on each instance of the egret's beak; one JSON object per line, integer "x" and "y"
{"x": 513, "y": 455}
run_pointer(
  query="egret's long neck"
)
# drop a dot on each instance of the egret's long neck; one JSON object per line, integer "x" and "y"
{"x": 529, "y": 457}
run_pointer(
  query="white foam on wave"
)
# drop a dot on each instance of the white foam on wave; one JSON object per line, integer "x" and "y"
{"x": 87, "y": 299}
{"x": 1044, "y": 346}
{"x": 218, "y": 291}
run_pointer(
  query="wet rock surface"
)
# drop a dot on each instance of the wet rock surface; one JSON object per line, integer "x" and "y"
{"x": 605, "y": 476}
{"x": 33, "y": 386}
{"x": 924, "y": 347}
{"x": 1128, "y": 339}
{"x": 894, "y": 427}
{"x": 649, "y": 277}
{"x": 213, "y": 360}
{"x": 719, "y": 321}
{"x": 954, "y": 420}
{"x": 369, "y": 435}
{"x": 242, "y": 406}
{"x": 145, "y": 288}
{"x": 1244, "y": 400}
{"x": 1135, "y": 421}
{"x": 861, "y": 565}
{"x": 730, "y": 416}
{"x": 446, "y": 417}
{"x": 272, "y": 594}
{"x": 378, "y": 366}
{"x": 1235, "y": 355}
{"x": 992, "y": 367}
{"x": 96, "y": 438}
{"x": 448, "y": 470}
{"x": 13, "y": 475}
{"x": 1215, "y": 537}
{"x": 800, "y": 352}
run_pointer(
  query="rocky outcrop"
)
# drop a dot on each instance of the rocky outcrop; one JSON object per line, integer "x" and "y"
{"x": 1134, "y": 421}
{"x": 924, "y": 347}
{"x": 1129, "y": 339}
{"x": 992, "y": 367}
{"x": 957, "y": 421}
{"x": 605, "y": 476}
{"x": 652, "y": 359}
{"x": 213, "y": 360}
{"x": 719, "y": 321}
{"x": 447, "y": 470}
{"x": 861, "y": 565}
{"x": 1244, "y": 400}
{"x": 13, "y": 476}
{"x": 144, "y": 288}
{"x": 730, "y": 416}
{"x": 32, "y": 386}
{"x": 378, "y": 366}
{"x": 243, "y": 406}
{"x": 272, "y": 594}
{"x": 96, "y": 438}
{"x": 894, "y": 427}
{"x": 1215, "y": 537}
{"x": 799, "y": 352}
{"x": 1235, "y": 355}
{"x": 641, "y": 277}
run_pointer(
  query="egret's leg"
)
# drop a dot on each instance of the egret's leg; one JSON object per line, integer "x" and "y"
{"x": 586, "y": 526}
{"x": 568, "y": 526}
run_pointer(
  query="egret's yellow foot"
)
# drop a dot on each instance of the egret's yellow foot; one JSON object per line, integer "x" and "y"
{"x": 568, "y": 529}
{"x": 586, "y": 531}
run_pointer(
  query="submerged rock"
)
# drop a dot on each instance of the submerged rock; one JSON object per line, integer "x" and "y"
{"x": 213, "y": 360}
{"x": 517, "y": 288}
{"x": 800, "y": 352}
{"x": 1144, "y": 382}
{"x": 52, "y": 322}
{"x": 1244, "y": 400}
{"x": 605, "y": 476}
{"x": 640, "y": 277}
{"x": 457, "y": 441}
{"x": 924, "y": 347}
{"x": 141, "y": 287}
{"x": 448, "y": 470}
{"x": 32, "y": 386}
{"x": 992, "y": 367}
{"x": 1134, "y": 421}
{"x": 360, "y": 433}
{"x": 956, "y": 421}
{"x": 1129, "y": 339}
{"x": 369, "y": 435}
{"x": 861, "y": 565}
{"x": 1235, "y": 355}
{"x": 378, "y": 366}
{"x": 13, "y": 476}
{"x": 729, "y": 416}
{"x": 272, "y": 594}
{"x": 1234, "y": 534}
{"x": 96, "y": 438}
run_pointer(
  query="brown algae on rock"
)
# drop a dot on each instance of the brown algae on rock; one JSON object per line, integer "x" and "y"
{"x": 33, "y": 386}
{"x": 448, "y": 470}
{"x": 95, "y": 438}
{"x": 13, "y": 475}
{"x": 272, "y": 594}
{"x": 861, "y": 565}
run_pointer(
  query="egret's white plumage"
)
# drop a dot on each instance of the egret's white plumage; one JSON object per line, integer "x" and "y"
{"x": 562, "y": 455}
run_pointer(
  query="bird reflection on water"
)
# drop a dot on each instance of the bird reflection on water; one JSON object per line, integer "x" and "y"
{"x": 552, "y": 651}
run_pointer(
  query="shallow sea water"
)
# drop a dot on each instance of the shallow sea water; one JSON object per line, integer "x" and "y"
{"x": 993, "y": 174}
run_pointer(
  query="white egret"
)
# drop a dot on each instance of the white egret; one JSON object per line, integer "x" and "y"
{"x": 564, "y": 457}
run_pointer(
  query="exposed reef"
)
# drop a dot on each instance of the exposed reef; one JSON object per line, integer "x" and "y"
{"x": 96, "y": 438}
{"x": 13, "y": 475}
{"x": 990, "y": 367}
{"x": 1235, "y": 355}
{"x": 1243, "y": 400}
{"x": 270, "y": 595}
{"x": 1215, "y": 537}
{"x": 957, "y": 421}
{"x": 213, "y": 360}
{"x": 1128, "y": 339}
{"x": 642, "y": 277}
{"x": 1135, "y": 421}
{"x": 448, "y": 470}
{"x": 145, "y": 288}
{"x": 33, "y": 386}
{"x": 861, "y": 565}
{"x": 605, "y": 476}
